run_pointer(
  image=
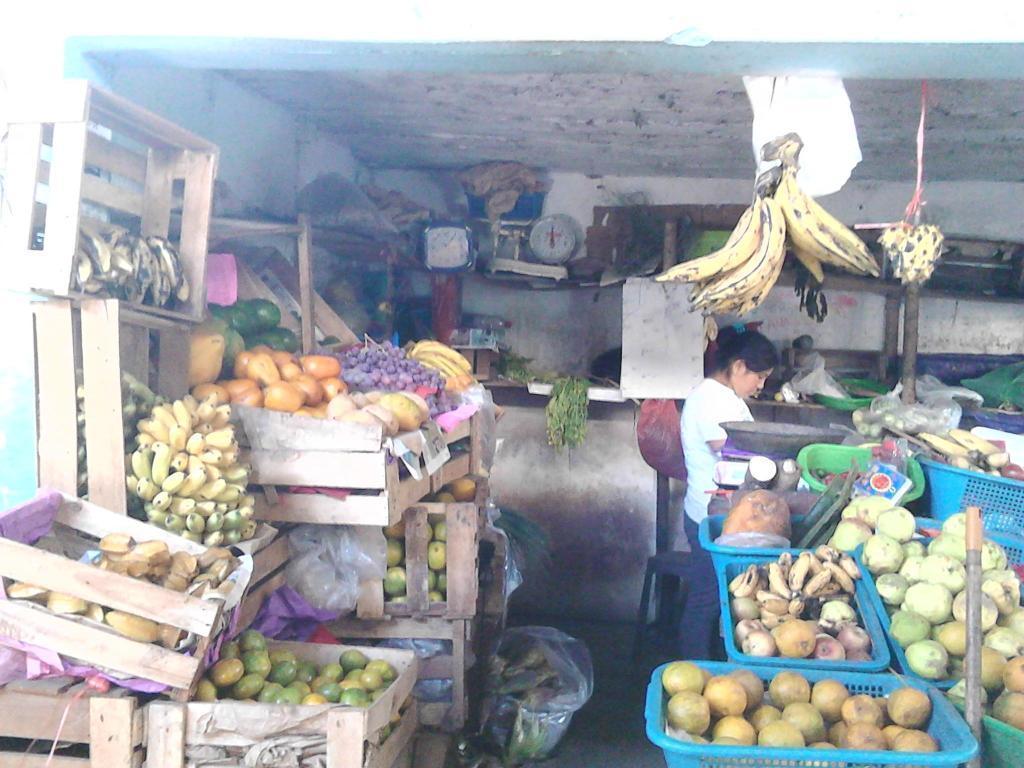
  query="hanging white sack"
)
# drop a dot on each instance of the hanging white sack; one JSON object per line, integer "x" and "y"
{"x": 816, "y": 108}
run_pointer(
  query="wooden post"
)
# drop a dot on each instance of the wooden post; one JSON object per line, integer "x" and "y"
{"x": 57, "y": 399}
{"x": 166, "y": 735}
{"x": 891, "y": 341}
{"x": 305, "y": 266}
{"x": 668, "y": 253}
{"x": 911, "y": 318}
{"x": 972, "y": 660}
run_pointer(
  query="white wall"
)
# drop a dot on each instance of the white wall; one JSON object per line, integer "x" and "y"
{"x": 266, "y": 154}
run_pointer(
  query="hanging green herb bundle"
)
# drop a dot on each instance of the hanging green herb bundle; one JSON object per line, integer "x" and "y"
{"x": 567, "y": 412}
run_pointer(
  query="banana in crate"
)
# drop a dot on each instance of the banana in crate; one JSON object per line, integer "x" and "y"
{"x": 450, "y": 363}
{"x": 737, "y": 278}
{"x": 187, "y": 473}
{"x": 144, "y": 270}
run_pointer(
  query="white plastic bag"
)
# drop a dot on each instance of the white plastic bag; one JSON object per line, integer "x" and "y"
{"x": 816, "y": 108}
{"x": 930, "y": 389}
{"x": 328, "y": 563}
{"x": 813, "y": 379}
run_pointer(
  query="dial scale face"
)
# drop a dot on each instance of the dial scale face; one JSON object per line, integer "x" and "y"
{"x": 553, "y": 239}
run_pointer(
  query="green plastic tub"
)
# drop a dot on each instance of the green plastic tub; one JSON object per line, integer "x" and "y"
{"x": 836, "y": 459}
{"x": 853, "y": 403}
{"x": 1001, "y": 745}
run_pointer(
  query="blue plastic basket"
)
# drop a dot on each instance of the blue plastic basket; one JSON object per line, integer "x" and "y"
{"x": 711, "y": 528}
{"x": 867, "y": 610}
{"x": 947, "y": 727}
{"x": 951, "y": 490}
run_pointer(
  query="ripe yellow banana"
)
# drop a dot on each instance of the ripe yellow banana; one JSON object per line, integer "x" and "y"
{"x": 811, "y": 262}
{"x": 178, "y": 438}
{"x": 162, "y": 501}
{"x": 142, "y": 462}
{"x": 179, "y": 462}
{"x": 164, "y": 414}
{"x": 196, "y": 444}
{"x": 144, "y": 440}
{"x": 740, "y": 246}
{"x": 195, "y": 480}
{"x": 221, "y": 417}
{"x": 944, "y": 445}
{"x": 147, "y": 489}
{"x": 182, "y": 416}
{"x": 755, "y": 277}
{"x": 205, "y": 411}
{"x": 181, "y": 506}
{"x": 161, "y": 464}
{"x": 221, "y": 439}
{"x": 972, "y": 442}
{"x": 173, "y": 482}
{"x": 156, "y": 429}
{"x": 436, "y": 348}
{"x": 212, "y": 489}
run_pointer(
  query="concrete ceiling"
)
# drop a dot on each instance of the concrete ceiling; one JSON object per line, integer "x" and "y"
{"x": 673, "y": 124}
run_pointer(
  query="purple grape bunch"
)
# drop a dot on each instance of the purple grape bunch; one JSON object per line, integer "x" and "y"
{"x": 387, "y": 369}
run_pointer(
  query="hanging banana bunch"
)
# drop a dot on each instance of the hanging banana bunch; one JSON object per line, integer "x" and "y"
{"x": 912, "y": 251}
{"x": 737, "y": 278}
{"x": 124, "y": 266}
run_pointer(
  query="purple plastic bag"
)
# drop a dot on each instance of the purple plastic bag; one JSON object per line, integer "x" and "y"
{"x": 29, "y": 522}
{"x": 287, "y": 615}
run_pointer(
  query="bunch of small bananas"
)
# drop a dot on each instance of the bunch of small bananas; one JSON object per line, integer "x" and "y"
{"x": 143, "y": 270}
{"x": 737, "y": 278}
{"x": 913, "y": 251}
{"x": 965, "y": 450}
{"x": 457, "y": 372}
{"x": 187, "y": 473}
{"x": 796, "y": 588}
{"x": 136, "y": 398}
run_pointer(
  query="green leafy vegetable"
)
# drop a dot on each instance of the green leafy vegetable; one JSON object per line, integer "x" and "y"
{"x": 567, "y": 412}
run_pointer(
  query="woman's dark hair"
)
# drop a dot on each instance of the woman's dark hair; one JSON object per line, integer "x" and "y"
{"x": 752, "y": 347}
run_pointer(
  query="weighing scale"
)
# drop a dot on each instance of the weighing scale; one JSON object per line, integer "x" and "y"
{"x": 551, "y": 240}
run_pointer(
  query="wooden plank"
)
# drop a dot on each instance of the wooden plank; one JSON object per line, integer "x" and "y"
{"x": 417, "y": 538}
{"x": 456, "y": 467}
{"x": 428, "y": 628}
{"x": 197, "y": 208}
{"x": 115, "y": 158}
{"x": 90, "y": 518}
{"x": 273, "y": 430}
{"x": 173, "y": 362}
{"x": 22, "y": 760}
{"x": 304, "y": 264}
{"x": 54, "y": 572}
{"x": 318, "y": 468}
{"x": 97, "y": 646}
{"x": 344, "y": 738}
{"x": 463, "y": 549}
{"x": 56, "y": 399}
{"x": 159, "y": 189}
{"x": 101, "y": 372}
{"x": 331, "y": 323}
{"x": 63, "y": 203}
{"x": 476, "y": 448}
{"x": 431, "y": 749}
{"x": 34, "y": 716}
{"x": 410, "y": 490}
{"x": 387, "y": 754}
{"x": 111, "y": 727}
{"x": 326, "y": 510}
{"x": 104, "y": 193}
{"x": 133, "y": 347}
{"x": 165, "y": 735}
{"x": 20, "y": 180}
{"x": 148, "y": 126}
{"x": 458, "y": 712}
{"x": 269, "y": 559}
{"x": 440, "y": 667}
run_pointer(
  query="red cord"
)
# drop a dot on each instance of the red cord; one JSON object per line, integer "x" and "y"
{"x": 95, "y": 684}
{"x": 914, "y": 206}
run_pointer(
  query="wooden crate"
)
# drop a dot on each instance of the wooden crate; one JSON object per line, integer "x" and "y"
{"x": 463, "y": 523}
{"x": 102, "y": 338}
{"x": 298, "y": 451}
{"x": 268, "y": 574}
{"x": 119, "y": 160}
{"x": 461, "y": 633}
{"x": 352, "y": 734}
{"x": 111, "y": 725}
{"x": 483, "y": 361}
{"x": 87, "y": 641}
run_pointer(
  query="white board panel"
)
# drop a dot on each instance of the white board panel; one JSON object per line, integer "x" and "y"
{"x": 662, "y": 340}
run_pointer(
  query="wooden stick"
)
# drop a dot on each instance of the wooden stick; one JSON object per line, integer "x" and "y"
{"x": 305, "y": 268}
{"x": 972, "y": 660}
{"x": 911, "y": 320}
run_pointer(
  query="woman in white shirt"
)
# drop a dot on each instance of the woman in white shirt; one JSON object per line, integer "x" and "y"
{"x": 744, "y": 360}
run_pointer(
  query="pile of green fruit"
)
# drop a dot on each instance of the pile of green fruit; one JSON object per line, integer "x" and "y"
{"x": 736, "y": 709}
{"x": 437, "y": 562}
{"x": 255, "y": 321}
{"x": 248, "y": 671}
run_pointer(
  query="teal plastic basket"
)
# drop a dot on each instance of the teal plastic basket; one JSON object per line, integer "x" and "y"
{"x": 952, "y": 490}
{"x": 711, "y": 528}
{"x": 866, "y": 609}
{"x": 956, "y": 742}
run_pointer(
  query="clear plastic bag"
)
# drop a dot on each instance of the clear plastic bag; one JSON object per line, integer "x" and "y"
{"x": 487, "y": 420}
{"x": 328, "y": 563}
{"x": 748, "y": 539}
{"x": 938, "y": 416}
{"x": 537, "y": 680}
{"x": 930, "y": 391}
{"x": 813, "y": 379}
{"x": 424, "y": 649}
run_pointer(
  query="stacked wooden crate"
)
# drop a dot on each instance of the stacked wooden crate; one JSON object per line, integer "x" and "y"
{"x": 104, "y": 161}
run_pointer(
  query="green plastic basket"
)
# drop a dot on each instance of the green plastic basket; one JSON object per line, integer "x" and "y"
{"x": 853, "y": 403}
{"x": 1001, "y": 745}
{"x": 836, "y": 459}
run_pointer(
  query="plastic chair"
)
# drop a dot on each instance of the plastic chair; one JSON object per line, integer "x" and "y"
{"x": 672, "y": 565}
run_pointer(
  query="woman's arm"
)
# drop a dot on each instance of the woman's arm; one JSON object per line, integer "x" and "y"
{"x": 716, "y": 446}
